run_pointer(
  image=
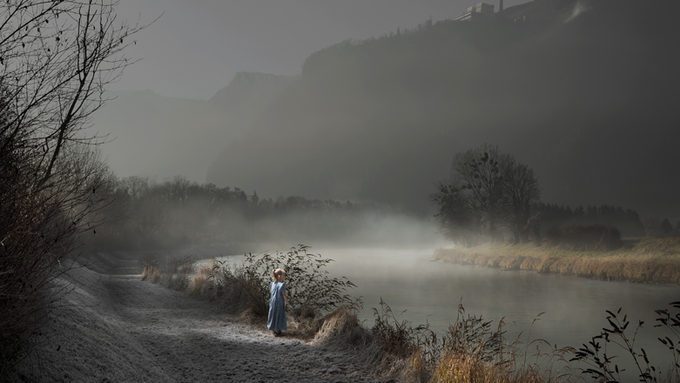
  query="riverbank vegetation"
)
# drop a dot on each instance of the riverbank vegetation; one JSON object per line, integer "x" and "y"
{"x": 650, "y": 260}
{"x": 56, "y": 60}
{"x": 492, "y": 197}
{"x": 473, "y": 349}
{"x": 243, "y": 288}
{"x": 492, "y": 210}
{"x": 144, "y": 214}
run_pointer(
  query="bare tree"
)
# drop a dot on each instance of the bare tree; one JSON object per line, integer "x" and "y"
{"x": 456, "y": 217}
{"x": 520, "y": 192}
{"x": 478, "y": 173}
{"x": 489, "y": 191}
{"x": 56, "y": 59}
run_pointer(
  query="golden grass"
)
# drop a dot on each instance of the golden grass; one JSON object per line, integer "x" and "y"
{"x": 469, "y": 369}
{"x": 202, "y": 281}
{"x": 340, "y": 326}
{"x": 651, "y": 260}
{"x": 151, "y": 274}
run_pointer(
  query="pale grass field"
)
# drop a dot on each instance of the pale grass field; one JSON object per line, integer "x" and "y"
{"x": 651, "y": 260}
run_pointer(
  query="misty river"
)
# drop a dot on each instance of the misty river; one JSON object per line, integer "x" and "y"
{"x": 421, "y": 290}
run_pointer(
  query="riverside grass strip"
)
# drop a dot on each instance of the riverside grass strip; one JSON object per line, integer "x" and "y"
{"x": 650, "y": 260}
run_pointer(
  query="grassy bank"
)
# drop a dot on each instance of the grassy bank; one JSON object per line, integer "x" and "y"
{"x": 471, "y": 350}
{"x": 650, "y": 260}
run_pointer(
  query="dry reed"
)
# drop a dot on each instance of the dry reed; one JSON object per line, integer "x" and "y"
{"x": 651, "y": 260}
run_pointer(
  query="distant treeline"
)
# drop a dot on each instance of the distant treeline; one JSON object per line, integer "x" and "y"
{"x": 142, "y": 214}
{"x": 627, "y": 221}
{"x": 492, "y": 196}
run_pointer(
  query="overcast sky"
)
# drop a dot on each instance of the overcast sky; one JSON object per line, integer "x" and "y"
{"x": 197, "y": 46}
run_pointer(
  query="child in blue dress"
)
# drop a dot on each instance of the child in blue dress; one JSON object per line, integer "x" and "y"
{"x": 276, "y": 320}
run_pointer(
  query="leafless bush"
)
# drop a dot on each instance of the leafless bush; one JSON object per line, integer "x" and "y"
{"x": 56, "y": 58}
{"x": 241, "y": 288}
{"x": 312, "y": 291}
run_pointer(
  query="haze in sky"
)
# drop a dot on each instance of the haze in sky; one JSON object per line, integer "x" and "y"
{"x": 196, "y": 47}
{"x": 572, "y": 93}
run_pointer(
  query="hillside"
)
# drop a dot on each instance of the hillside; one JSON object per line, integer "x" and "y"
{"x": 554, "y": 82}
{"x": 142, "y": 125}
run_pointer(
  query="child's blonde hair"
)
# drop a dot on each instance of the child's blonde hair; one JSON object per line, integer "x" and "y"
{"x": 277, "y": 272}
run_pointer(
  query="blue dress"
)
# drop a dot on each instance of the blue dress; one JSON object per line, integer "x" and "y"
{"x": 276, "y": 320}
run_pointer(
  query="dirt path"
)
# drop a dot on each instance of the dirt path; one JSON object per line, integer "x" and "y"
{"x": 119, "y": 328}
{"x": 193, "y": 342}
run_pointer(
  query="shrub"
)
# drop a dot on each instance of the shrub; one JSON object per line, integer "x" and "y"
{"x": 312, "y": 291}
{"x": 585, "y": 237}
{"x": 241, "y": 288}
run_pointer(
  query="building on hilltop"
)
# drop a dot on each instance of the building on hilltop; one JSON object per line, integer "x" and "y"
{"x": 477, "y": 11}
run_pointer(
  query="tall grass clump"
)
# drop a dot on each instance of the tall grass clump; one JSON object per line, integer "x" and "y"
{"x": 476, "y": 350}
{"x": 172, "y": 272}
{"x": 472, "y": 350}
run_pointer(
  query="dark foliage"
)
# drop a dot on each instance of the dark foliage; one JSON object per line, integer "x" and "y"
{"x": 603, "y": 366}
{"x": 176, "y": 213}
{"x": 625, "y": 220}
{"x": 491, "y": 193}
{"x": 585, "y": 237}
{"x": 666, "y": 227}
{"x": 56, "y": 60}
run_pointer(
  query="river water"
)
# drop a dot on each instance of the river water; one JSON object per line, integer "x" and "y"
{"x": 421, "y": 290}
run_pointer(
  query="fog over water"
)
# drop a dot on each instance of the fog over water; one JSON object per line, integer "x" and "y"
{"x": 581, "y": 91}
{"x": 536, "y": 134}
{"x": 421, "y": 291}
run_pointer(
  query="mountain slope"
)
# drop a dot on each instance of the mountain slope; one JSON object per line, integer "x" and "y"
{"x": 583, "y": 91}
{"x": 143, "y": 126}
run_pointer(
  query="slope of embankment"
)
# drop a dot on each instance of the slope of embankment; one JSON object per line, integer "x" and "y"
{"x": 117, "y": 328}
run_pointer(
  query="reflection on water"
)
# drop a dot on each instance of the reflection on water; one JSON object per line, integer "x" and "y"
{"x": 430, "y": 291}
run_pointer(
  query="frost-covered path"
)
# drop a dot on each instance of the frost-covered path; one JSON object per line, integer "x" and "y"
{"x": 119, "y": 328}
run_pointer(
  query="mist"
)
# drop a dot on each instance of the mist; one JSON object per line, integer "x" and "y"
{"x": 556, "y": 93}
{"x": 190, "y": 217}
{"x": 326, "y": 190}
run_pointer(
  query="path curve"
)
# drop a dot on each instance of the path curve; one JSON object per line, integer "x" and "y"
{"x": 118, "y": 328}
